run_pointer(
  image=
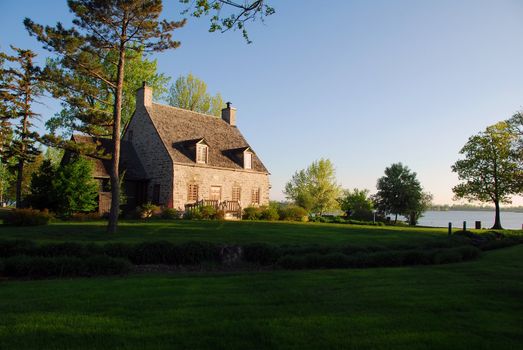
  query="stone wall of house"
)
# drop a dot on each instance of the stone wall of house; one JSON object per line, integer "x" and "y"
{"x": 152, "y": 154}
{"x": 205, "y": 177}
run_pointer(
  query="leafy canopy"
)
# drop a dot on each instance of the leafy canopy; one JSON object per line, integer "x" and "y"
{"x": 357, "y": 204}
{"x": 399, "y": 191}
{"x": 315, "y": 188}
{"x": 191, "y": 93}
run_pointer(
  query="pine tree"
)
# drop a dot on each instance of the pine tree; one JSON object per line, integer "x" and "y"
{"x": 102, "y": 29}
{"x": 21, "y": 85}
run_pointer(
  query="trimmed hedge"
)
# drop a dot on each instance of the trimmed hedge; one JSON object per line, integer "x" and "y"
{"x": 389, "y": 258}
{"x": 27, "y": 217}
{"x": 261, "y": 253}
{"x": 23, "y": 266}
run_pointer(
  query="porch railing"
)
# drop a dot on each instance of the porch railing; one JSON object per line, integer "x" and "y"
{"x": 229, "y": 207}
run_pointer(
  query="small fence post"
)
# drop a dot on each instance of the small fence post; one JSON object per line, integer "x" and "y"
{"x": 464, "y": 226}
{"x": 450, "y": 228}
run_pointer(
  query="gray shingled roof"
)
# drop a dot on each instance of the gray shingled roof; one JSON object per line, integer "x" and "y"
{"x": 180, "y": 129}
{"x": 129, "y": 161}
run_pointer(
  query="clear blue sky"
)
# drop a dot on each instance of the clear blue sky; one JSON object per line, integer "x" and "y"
{"x": 363, "y": 83}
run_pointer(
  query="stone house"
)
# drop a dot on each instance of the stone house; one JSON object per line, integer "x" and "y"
{"x": 181, "y": 159}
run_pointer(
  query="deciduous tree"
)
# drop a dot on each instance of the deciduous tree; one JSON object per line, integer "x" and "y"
{"x": 315, "y": 188}
{"x": 105, "y": 30}
{"x": 228, "y": 14}
{"x": 357, "y": 204}
{"x": 491, "y": 170}
{"x": 399, "y": 192}
{"x": 191, "y": 93}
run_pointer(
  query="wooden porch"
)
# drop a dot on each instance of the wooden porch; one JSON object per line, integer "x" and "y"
{"x": 232, "y": 209}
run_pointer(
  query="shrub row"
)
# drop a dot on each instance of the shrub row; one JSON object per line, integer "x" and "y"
{"x": 27, "y": 217}
{"x": 379, "y": 259}
{"x": 287, "y": 213}
{"x": 157, "y": 252}
{"x": 23, "y": 266}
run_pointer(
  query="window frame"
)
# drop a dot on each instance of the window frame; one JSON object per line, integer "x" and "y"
{"x": 192, "y": 192}
{"x": 205, "y": 155}
{"x": 238, "y": 190}
{"x": 247, "y": 164}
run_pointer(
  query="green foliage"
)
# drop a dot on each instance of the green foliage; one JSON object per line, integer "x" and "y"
{"x": 261, "y": 253}
{"x": 251, "y": 213}
{"x": 269, "y": 213}
{"x": 66, "y": 190}
{"x": 293, "y": 213}
{"x": 42, "y": 190}
{"x": 75, "y": 188}
{"x": 148, "y": 210}
{"x": 98, "y": 123}
{"x": 357, "y": 204}
{"x": 491, "y": 170}
{"x": 27, "y": 217}
{"x": 171, "y": 213}
{"x": 314, "y": 188}
{"x": 207, "y": 212}
{"x": 63, "y": 266}
{"x": 227, "y": 15}
{"x": 20, "y": 86}
{"x": 191, "y": 93}
{"x": 400, "y": 193}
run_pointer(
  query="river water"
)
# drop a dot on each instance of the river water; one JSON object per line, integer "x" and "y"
{"x": 509, "y": 220}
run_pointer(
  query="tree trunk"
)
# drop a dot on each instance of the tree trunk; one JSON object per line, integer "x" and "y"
{"x": 19, "y": 179}
{"x": 497, "y": 220}
{"x": 115, "y": 161}
{"x": 396, "y": 218}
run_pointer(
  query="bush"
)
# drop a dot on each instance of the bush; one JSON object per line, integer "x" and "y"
{"x": 220, "y": 215}
{"x": 468, "y": 252}
{"x": 64, "y": 266}
{"x": 27, "y": 217}
{"x": 194, "y": 253}
{"x": 261, "y": 253}
{"x": 269, "y": 213}
{"x": 194, "y": 214}
{"x": 118, "y": 250}
{"x": 16, "y": 247}
{"x": 100, "y": 265}
{"x": 207, "y": 212}
{"x": 447, "y": 256}
{"x": 68, "y": 249}
{"x": 417, "y": 257}
{"x": 293, "y": 213}
{"x": 251, "y": 213}
{"x": 160, "y": 252}
{"x": 171, "y": 213}
{"x": 148, "y": 210}
{"x": 82, "y": 217}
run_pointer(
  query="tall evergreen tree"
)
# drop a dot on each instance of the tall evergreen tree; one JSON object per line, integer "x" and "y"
{"x": 21, "y": 85}
{"x": 100, "y": 30}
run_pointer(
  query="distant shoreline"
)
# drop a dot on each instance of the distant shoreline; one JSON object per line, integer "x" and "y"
{"x": 510, "y": 210}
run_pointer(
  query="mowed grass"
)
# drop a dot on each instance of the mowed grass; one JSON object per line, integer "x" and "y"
{"x": 226, "y": 232}
{"x": 476, "y": 305}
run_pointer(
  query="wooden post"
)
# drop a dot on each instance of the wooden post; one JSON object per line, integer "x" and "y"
{"x": 450, "y": 228}
{"x": 464, "y": 226}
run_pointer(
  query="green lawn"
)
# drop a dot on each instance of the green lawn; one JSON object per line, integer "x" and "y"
{"x": 476, "y": 305}
{"x": 227, "y": 232}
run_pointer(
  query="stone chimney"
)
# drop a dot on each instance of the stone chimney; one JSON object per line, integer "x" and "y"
{"x": 229, "y": 114}
{"x": 144, "y": 96}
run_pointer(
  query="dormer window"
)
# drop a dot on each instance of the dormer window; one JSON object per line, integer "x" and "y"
{"x": 247, "y": 160}
{"x": 202, "y": 153}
